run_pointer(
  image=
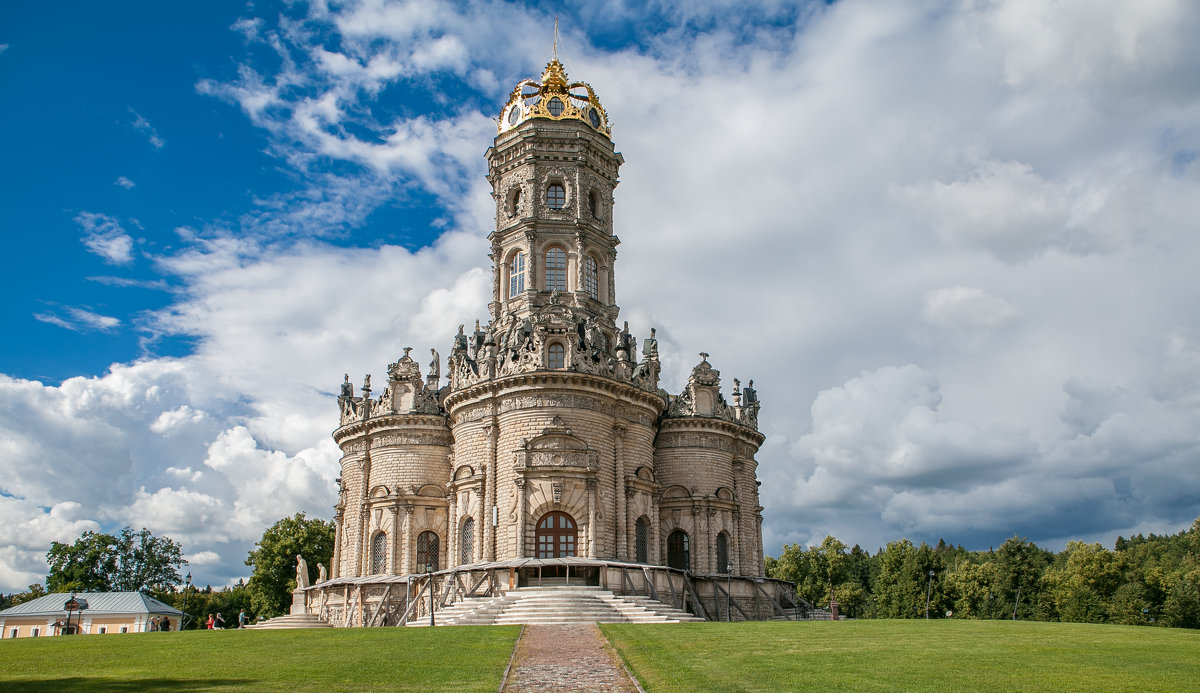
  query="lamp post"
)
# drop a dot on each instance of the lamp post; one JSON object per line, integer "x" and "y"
{"x": 187, "y": 585}
{"x": 429, "y": 570}
{"x": 728, "y": 586}
{"x": 928, "y": 594}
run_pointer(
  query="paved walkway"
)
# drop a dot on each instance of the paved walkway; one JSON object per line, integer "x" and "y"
{"x": 562, "y": 658}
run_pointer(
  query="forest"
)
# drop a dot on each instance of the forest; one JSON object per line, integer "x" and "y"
{"x": 1144, "y": 580}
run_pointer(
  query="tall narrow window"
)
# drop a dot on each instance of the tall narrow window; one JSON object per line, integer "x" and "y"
{"x": 516, "y": 275}
{"x": 723, "y": 553}
{"x": 556, "y": 196}
{"x": 590, "y": 284}
{"x": 556, "y": 356}
{"x": 428, "y": 548}
{"x": 679, "y": 554}
{"x": 556, "y": 270}
{"x": 466, "y": 550}
{"x": 642, "y": 540}
{"x": 378, "y": 553}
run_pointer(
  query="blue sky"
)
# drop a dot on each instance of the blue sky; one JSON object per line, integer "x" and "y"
{"x": 952, "y": 243}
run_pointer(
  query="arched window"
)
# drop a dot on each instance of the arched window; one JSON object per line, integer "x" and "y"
{"x": 679, "y": 553}
{"x": 556, "y": 270}
{"x": 556, "y": 535}
{"x": 514, "y": 201}
{"x": 723, "y": 553}
{"x": 556, "y": 196}
{"x": 594, "y": 204}
{"x": 428, "y": 548}
{"x": 466, "y": 551}
{"x": 642, "y": 540}
{"x": 379, "y": 553}
{"x": 556, "y": 356}
{"x": 590, "y": 284}
{"x": 516, "y": 275}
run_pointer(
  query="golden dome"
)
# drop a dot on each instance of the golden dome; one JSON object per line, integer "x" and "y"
{"x": 554, "y": 98}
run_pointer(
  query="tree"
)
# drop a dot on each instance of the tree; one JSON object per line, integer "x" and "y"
{"x": 274, "y": 560}
{"x": 132, "y": 562}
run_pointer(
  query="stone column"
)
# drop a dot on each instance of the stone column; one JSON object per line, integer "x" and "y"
{"x": 656, "y": 556}
{"x": 339, "y": 535}
{"x": 712, "y": 540}
{"x": 393, "y": 565}
{"x": 452, "y": 529}
{"x": 522, "y": 509}
{"x": 489, "y": 532}
{"x": 621, "y": 520}
{"x": 612, "y": 282}
{"x": 406, "y": 555}
{"x": 736, "y": 555}
{"x": 699, "y": 541}
{"x": 591, "y": 510}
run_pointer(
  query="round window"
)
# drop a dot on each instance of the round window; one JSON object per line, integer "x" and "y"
{"x": 513, "y": 114}
{"x": 555, "y": 106}
{"x": 594, "y": 117}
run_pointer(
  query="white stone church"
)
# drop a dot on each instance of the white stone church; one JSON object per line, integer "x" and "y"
{"x": 546, "y": 453}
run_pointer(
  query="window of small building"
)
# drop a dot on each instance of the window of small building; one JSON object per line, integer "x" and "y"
{"x": 516, "y": 275}
{"x": 466, "y": 551}
{"x": 556, "y": 270}
{"x": 103, "y": 630}
{"x": 36, "y": 632}
{"x": 723, "y": 553}
{"x": 679, "y": 553}
{"x": 124, "y": 629}
{"x": 642, "y": 540}
{"x": 428, "y": 548}
{"x": 379, "y": 553}
{"x": 590, "y": 283}
{"x": 556, "y": 196}
{"x": 14, "y": 632}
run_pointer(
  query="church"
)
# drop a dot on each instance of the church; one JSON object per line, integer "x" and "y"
{"x": 546, "y": 452}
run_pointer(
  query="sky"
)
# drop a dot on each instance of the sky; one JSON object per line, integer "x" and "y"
{"x": 953, "y": 243}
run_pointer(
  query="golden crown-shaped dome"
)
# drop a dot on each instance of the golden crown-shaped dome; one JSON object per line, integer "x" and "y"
{"x": 554, "y": 98}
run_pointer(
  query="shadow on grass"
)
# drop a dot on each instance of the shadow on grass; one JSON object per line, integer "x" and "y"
{"x": 108, "y": 685}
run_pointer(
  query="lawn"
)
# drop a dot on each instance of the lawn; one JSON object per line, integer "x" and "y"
{"x": 328, "y": 660}
{"x": 938, "y": 655}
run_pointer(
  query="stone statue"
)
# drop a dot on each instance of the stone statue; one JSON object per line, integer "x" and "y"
{"x": 460, "y": 339}
{"x": 650, "y": 345}
{"x": 347, "y": 388}
{"x": 367, "y": 383}
{"x": 321, "y": 575}
{"x": 435, "y": 366}
{"x": 748, "y": 393}
{"x": 302, "y": 570}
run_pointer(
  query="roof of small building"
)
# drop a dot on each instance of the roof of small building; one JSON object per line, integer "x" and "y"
{"x": 97, "y": 603}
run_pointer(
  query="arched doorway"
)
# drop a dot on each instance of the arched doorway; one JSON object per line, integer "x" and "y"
{"x": 679, "y": 550}
{"x": 556, "y": 535}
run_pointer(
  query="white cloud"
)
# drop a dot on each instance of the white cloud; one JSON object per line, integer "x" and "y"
{"x": 143, "y": 126}
{"x": 104, "y": 236}
{"x": 124, "y": 182}
{"x": 79, "y": 320}
{"x": 954, "y": 248}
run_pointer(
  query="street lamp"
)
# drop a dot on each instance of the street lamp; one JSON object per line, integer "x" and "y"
{"x": 928, "y": 593}
{"x": 429, "y": 570}
{"x": 728, "y": 586}
{"x": 187, "y": 583}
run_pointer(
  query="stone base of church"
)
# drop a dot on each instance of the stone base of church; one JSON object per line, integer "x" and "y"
{"x": 394, "y": 600}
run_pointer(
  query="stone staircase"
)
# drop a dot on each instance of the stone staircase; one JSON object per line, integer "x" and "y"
{"x": 557, "y": 605}
{"x": 291, "y": 621}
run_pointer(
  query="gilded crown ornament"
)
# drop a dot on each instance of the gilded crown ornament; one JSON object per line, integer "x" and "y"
{"x": 554, "y": 98}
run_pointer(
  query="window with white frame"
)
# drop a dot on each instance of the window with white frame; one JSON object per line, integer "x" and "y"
{"x": 516, "y": 275}
{"x": 556, "y": 270}
{"x": 591, "y": 285}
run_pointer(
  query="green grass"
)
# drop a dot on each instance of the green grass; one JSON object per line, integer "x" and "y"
{"x": 937, "y": 655}
{"x": 326, "y": 660}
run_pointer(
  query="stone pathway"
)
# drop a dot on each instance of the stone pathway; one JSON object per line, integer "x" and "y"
{"x": 566, "y": 658}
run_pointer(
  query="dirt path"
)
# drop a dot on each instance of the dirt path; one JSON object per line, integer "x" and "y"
{"x": 563, "y": 658}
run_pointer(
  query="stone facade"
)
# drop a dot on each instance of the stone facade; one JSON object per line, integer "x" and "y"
{"x": 549, "y": 435}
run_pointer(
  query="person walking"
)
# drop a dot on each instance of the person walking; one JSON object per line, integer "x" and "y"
{"x": 220, "y": 624}
{"x": 242, "y": 618}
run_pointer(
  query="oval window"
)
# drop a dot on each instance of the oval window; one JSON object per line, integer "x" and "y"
{"x": 555, "y": 106}
{"x": 513, "y": 114}
{"x": 594, "y": 117}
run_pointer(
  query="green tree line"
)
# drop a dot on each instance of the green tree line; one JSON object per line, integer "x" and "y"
{"x": 1144, "y": 580}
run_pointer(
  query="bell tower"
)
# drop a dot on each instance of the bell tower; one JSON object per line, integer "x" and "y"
{"x": 553, "y": 169}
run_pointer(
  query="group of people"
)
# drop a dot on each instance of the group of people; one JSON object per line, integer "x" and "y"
{"x": 157, "y": 624}
{"x": 218, "y": 622}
